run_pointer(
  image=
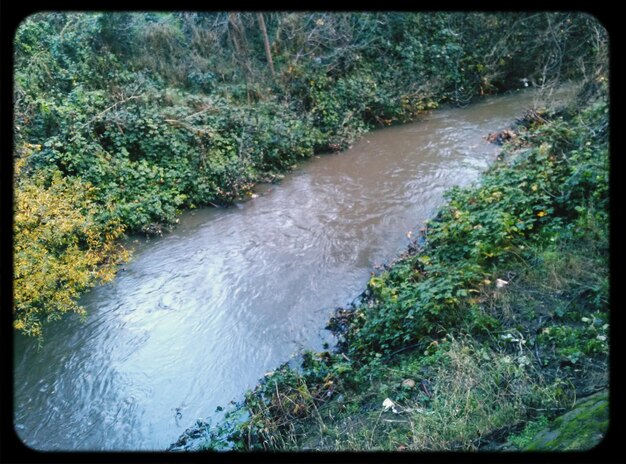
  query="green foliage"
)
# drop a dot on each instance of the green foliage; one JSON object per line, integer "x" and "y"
{"x": 445, "y": 312}
{"x": 574, "y": 343}
{"x": 525, "y": 437}
{"x": 159, "y": 112}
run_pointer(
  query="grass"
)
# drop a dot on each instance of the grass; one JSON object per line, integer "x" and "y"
{"x": 523, "y": 439}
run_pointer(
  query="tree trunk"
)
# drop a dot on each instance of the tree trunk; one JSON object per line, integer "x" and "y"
{"x": 266, "y": 41}
{"x": 237, "y": 36}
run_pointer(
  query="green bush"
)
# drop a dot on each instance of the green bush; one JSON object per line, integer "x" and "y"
{"x": 541, "y": 193}
{"x": 486, "y": 360}
{"x": 159, "y": 112}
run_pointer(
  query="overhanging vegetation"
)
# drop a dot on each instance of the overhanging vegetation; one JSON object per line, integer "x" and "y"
{"x": 153, "y": 113}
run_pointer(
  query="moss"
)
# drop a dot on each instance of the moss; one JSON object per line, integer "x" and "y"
{"x": 582, "y": 428}
{"x": 521, "y": 440}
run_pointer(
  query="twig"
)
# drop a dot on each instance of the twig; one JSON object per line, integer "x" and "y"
{"x": 278, "y": 395}
{"x": 401, "y": 350}
{"x": 132, "y": 97}
{"x": 374, "y": 428}
{"x": 189, "y": 116}
{"x": 176, "y": 122}
{"x": 537, "y": 355}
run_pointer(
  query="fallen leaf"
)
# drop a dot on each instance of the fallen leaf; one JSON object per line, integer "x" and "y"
{"x": 388, "y": 404}
{"x": 409, "y": 383}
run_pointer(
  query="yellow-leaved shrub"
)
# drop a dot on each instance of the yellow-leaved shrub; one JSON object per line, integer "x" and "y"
{"x": 59, "y": 248}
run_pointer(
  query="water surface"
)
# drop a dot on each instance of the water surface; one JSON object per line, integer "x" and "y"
{"x": 199, "y": 315}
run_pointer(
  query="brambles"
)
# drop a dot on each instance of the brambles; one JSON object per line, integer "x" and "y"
{"x": 123, "y": 120}
{"x": 167, "y": 111}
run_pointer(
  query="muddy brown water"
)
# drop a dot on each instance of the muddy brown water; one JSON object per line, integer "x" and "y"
{"x": 199, "y": 315}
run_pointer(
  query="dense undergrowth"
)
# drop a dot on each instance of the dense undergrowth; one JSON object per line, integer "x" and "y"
{"x": 122, "y": 120}
{"x": 493, "y": 326}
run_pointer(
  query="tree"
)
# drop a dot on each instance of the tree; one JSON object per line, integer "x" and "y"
{"x": 266, "y": 43}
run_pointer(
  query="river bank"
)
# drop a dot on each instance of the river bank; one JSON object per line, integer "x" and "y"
{"x": 130, "y": 123}
{"x": 124, "y": 120}
{"x": 201, "y": 313}
{"x": 497, "y": 323}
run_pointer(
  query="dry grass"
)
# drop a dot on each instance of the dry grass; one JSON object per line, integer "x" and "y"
{"x": 481, "y": 390}
{"x": 477, "y": 392}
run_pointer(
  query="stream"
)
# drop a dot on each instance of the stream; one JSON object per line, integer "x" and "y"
{"x": 200, "y": 314}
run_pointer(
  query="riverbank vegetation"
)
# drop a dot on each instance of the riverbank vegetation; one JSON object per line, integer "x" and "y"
{"x": 493, "y": 324}
{"x": 122, "y": 120}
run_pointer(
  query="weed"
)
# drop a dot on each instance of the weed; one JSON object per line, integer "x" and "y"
{"x": 524, "y": 438}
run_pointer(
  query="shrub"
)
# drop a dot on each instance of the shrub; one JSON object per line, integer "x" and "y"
{"x": 60, "y": 249}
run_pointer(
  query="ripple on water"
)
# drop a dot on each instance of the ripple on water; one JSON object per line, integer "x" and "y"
{"x": 199, "y": 315}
